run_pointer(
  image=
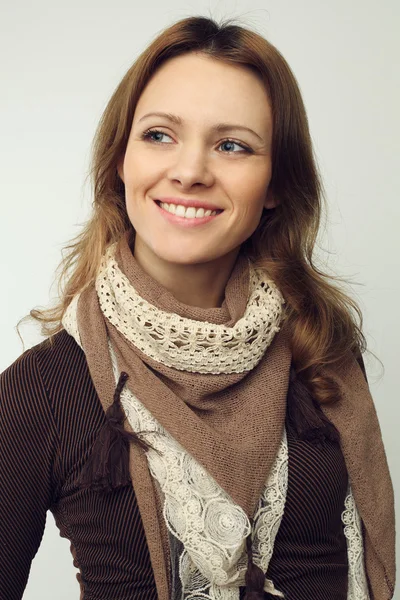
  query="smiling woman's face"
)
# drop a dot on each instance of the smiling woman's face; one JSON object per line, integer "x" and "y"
{"x": 209, "y": 147}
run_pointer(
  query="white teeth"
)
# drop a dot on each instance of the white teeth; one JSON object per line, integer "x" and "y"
{"x": 180, "y": 211}
{"x": 189, "y": 213}
{"x": 199, "y": 213}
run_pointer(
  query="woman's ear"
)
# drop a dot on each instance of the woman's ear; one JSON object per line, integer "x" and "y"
{"x": 270, "y": 200}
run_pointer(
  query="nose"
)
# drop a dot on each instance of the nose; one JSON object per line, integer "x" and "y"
{"x": 191, "y": 168}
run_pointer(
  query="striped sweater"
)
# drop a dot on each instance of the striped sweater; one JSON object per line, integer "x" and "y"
{"x": 50, "y": 415}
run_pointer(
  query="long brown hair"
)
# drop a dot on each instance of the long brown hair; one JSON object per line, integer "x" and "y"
{"x": 325, "y": 322}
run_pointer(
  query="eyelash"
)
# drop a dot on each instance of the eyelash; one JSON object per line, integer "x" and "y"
{"x": 146, "y": 135}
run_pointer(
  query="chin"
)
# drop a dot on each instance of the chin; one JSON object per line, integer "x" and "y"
{"x": 181, "y": 256}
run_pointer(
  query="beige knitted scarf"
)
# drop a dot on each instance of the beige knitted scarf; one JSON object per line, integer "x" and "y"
{"x": 216, "y": 380}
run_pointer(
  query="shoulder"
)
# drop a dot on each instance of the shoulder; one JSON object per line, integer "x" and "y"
{"x": 56, "y": 357}
{"x": 49, "y": 390}
{"x": 54, "y": 372}
{"x": 25, "y": 412}
{"x": 59, "y": 352}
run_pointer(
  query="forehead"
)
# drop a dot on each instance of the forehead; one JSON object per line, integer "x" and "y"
{"x": 196, "y": 87}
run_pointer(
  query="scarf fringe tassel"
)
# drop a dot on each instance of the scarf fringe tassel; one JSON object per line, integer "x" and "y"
{"x": 107, "y": 467}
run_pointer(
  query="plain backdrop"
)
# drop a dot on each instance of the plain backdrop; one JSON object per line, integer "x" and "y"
{"x": 61, "y": 61}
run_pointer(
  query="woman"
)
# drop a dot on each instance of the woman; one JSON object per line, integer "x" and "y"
{"x": 199, "y": 421}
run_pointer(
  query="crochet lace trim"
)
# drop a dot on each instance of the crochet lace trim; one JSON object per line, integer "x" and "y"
{"x": 357, "y": 586}
{"x": 186, "y": 344}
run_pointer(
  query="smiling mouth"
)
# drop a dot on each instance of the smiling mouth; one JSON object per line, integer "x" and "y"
{"x": 187, "y": 212}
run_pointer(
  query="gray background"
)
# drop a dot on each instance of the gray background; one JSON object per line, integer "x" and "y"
{"x": 60, "y": 62}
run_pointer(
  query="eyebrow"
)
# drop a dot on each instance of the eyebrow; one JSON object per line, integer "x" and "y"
{"x": 220, "y": 127}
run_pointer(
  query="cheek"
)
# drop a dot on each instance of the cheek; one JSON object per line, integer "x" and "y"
{"x": 138, "y": 172}
{"x": 250, "y": 189}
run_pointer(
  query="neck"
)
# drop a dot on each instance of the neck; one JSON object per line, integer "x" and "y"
{"x": 201, "y": 284}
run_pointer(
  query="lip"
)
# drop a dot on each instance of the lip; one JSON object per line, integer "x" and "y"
{"x": 182, "y": 221}
{"x": 195, "y": 202}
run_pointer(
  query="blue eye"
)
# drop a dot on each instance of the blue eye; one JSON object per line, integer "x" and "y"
{"x": 151, "y": 134}
{"x": 233, "y": 143}
{"x": 147, "y": 135}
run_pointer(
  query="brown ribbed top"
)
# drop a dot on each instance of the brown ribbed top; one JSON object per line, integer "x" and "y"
{"x": 49, "y": 417}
